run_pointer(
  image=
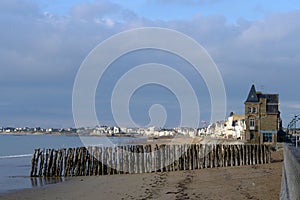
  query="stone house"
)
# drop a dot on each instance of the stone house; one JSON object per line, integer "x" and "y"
{"x": 262, "y": 117}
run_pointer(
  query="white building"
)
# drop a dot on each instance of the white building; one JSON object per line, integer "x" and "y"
{"x": 235, "y": 127}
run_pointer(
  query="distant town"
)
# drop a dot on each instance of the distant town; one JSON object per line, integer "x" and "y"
{"x": 233, "y": 127}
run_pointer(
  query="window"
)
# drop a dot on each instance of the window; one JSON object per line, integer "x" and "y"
{"x": 252, "y": 124}
{"x": 249, "y": 109}
{"x": 267, "y": 137}
{"x": 252, "y": 110}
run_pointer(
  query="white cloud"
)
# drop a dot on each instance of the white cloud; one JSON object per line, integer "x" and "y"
{"x": 47, "y": 46}
{"x": 275, "y": 28}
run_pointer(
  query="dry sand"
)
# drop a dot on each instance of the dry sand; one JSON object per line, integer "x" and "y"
{"x": 243, "y": 182}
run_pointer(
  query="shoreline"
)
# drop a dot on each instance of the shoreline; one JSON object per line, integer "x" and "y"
{"x": 244, "y": 182}
{"x": 241, "y": 182}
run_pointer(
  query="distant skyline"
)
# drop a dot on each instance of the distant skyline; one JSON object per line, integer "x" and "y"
{"x": 43, "y": 44}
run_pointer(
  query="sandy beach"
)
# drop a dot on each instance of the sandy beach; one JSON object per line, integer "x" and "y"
{"x": 243, "y": 182}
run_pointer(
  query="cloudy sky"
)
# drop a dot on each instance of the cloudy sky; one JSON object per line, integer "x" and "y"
{"x": 43, "y": 44}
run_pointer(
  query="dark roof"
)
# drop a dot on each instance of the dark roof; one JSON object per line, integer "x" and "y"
{"x": 271, "y": 98}
{"x": 252, "y": 97}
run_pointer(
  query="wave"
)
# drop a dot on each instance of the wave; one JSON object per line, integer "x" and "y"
{"x": 16, "y": 156}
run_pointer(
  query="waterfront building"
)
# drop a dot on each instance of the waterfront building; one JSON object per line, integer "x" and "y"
{"x": 262, "y": 117}
{"x": 235, "y": 126}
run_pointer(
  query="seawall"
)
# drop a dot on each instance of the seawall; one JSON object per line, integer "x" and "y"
{"x": 290, "y": 184}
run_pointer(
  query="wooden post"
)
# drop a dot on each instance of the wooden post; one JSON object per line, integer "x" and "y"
{"x": 261, "y": 156}
{"x": 226, "y": 156}
{"x": 57, "y": 167}
{"x": 100, "y": 160}
{"x": 66, "y": 163}
{"x": 258, "y": 154}
{"x": 134, "y": 159}
{"x": 61, "y": 161}
{"x": 213, "y": 155}
{"x": 137, "y": 159}
{"x": 222, "y": 157}
{"x": 191, "y": 157}
{"x": 251, "y": 154}
{"x": 188, "y": 156}
{"x": 82, "y": 161}
{"x": 89, "y": 162}
{"x": 33, "y": 163}
{"x": 122, "y": 159}
{"x": 196, "y": 157}
{"x": 41, "y": 164}
{"x": 240, "y": 153}
{"x": 268, "y": 154}
{"x": 104, "y": 162}
{"x": 50, "y": 163}
{"x": 176, "y": 158}
{"x": 115, "y": 160}
{"x": 130, "y": 159}
{"x": 246, "y": 154}
{"x": 118, "y": 150}
{"x": 254, "y": 154}
{"x": 200, "y": 156}
{"x": 36, "y": 162}
{"x": 162, "y": 157}
{"x": 157, "y": 158}
{"x": 152, "y": 158}
{"x": 111, "y": 171}
{"x": 142, "y": 159}
{"x": 54, "y": 163}
{"x": 77, "y": 162}
{"x": 231, "y": 155}
{"x": 69, "y": 165}
{"x": 168, "y": 159}
{"x": 95, "y": 161}
{"x": 125, "y": 159}
{"x": 149, "y": 159}
{"x": 204, "y": 155}
{"x": 216, "y": 155}
{"x": 46, "y": 163}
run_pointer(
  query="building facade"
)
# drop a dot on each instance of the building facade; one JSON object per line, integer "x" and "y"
{"x": 262, "y": 117}
{"x": 235, "y": 127}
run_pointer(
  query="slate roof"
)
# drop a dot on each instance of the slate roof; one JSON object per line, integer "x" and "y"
{"x": 252, "y": 97}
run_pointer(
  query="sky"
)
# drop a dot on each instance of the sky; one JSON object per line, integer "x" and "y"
{"x": 43, "y": 44}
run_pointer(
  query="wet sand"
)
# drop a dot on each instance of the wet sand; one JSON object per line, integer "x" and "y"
{"x": 243, "y": 182}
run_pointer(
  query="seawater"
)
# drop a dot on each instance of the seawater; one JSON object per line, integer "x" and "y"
{"x": 16, "y": 153}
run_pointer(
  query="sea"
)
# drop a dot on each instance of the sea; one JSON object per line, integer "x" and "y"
{"x": 16, "y": 153}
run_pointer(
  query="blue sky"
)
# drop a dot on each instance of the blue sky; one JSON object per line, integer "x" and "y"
{"x": 43, "y": 44}
{"x": 185, "y": 9}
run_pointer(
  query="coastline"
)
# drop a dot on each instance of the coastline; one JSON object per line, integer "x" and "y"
{"x": 242, "y": 182}
{"x": 247, "y": 182}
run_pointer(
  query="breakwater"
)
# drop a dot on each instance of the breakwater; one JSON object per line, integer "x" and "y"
{"x": 132, "y": 159}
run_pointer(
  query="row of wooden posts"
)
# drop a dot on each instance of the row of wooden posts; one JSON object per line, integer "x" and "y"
{"x": 134, "y": 159}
